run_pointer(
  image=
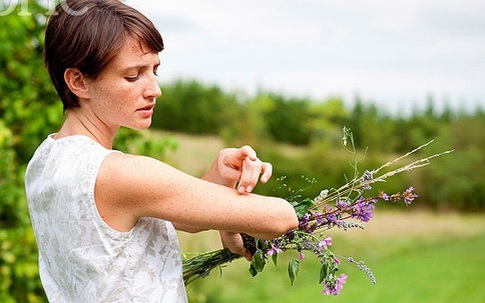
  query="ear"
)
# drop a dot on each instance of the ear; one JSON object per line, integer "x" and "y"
{"x": 76, "y": 82}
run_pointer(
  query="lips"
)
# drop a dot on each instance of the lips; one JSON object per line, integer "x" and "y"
{"x": 147, "y": 110}
{"x": 148, "y": 107}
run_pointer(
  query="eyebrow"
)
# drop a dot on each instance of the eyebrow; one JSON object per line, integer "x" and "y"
{"x": 140, "y": 66}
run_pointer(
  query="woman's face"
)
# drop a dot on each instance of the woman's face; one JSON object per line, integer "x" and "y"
{"x": 124, "y": 93}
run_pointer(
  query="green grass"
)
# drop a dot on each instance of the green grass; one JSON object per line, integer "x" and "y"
{"x": 449, "y": 270}
{"x": 437, "y": 266}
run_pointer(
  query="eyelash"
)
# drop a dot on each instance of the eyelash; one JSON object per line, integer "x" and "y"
{"x": 133, "y": 79}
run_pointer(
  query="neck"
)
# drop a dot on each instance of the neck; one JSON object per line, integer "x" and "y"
{"x": 77, "y": 123}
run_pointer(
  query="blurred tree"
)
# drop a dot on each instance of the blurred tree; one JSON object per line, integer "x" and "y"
{"x": 457, "y": 181}
{"x": 422, "y": 126}
{"x": 372, "y": 128}
{"x": 249, "y": 126}
{"x": 327, "y": 120}
{"x": 27, "y": 112}
{"x": 26, "y": 93}
{"x": 191, "y": 107}
{"x": 289, "y": 120}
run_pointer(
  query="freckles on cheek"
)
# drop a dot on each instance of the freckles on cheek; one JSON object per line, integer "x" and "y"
{"x": 109, "y": 97}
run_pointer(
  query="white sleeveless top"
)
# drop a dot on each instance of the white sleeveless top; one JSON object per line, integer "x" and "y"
{"x": 81, "y": 258}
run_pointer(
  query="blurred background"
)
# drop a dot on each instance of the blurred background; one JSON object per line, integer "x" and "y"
{"x": 285, "y": 77}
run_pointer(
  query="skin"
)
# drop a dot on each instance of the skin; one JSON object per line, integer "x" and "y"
{"x": 129, "y": 187}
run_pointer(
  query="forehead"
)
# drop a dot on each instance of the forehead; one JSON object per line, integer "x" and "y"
{"x": 134, "y": 53}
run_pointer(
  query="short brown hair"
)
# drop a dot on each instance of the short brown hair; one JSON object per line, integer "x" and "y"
{"x": 87, "y": 34}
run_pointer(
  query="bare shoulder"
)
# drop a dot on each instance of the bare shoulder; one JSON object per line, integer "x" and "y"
{"x": 127, "y": 183}
{"x": 134, "y": 178}
{"x": 126, "y": 167}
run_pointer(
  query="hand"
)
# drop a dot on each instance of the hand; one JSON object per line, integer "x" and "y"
{"x": 234, "y": 242}
{"x": 244, "y": 167}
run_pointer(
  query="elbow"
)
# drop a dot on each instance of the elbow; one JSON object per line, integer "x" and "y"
{"x": 288, "y": 222}
{"x": 294, "y": 221}
{"x": 284, "y": 223}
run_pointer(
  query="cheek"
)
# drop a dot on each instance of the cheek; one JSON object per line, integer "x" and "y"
{"x": 115, "y": 97}
{"x": 123, "y": 98}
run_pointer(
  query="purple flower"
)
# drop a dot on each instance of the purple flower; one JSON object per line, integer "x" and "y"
{"x": 305, "y": 218}
{"x": 332, "y": 218}
{"x": 325, "y": 243}
{"x": 319, "y": 219}
{"x": 337, "y": 287}
{"x": 342, "y": 204}
{"x": 305, "y": 223}
{"x": 327, "y": 290}
{"x": 409, "y": 196}
{"x": 339, "y": 284}
{"x": 384, "y": 196}
{"x": 302, "y": 256}
{"x": 363, "y": 210}
{"x": 274, "y": 249}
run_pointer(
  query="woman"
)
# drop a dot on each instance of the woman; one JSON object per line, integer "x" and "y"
{"x": 104, "y": 220}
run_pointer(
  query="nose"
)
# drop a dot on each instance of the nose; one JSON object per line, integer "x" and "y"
{"x": 153, "y": 89}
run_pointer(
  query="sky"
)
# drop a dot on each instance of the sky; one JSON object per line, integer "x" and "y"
{"x": 395, "y": 54}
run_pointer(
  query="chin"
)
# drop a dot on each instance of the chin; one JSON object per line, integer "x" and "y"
{"x": 141, "y": 126}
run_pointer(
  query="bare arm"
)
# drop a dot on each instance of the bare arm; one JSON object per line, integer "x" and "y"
{"x": 234, "y": 166}
{"x": 129, "y": 187}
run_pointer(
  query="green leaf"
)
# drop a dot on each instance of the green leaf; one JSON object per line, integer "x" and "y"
{"x": 302, "y": 207}
{"x": 323, "y": 272}
{"x": 293, "y": 268}
{"x": 252, "y": 271}
{"x": 274, "y": 257}
{"x": 258, "y": 261}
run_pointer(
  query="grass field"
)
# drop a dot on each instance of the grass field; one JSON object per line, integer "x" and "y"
{"x": 416, "y": 257}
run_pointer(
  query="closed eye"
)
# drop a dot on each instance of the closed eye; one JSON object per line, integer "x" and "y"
{"x": 132, "y": 79}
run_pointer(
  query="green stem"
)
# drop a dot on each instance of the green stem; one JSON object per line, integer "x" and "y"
{"x": 201, "y": 265}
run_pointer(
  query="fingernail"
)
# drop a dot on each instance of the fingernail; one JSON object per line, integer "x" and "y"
{"x": 249, "y": 189}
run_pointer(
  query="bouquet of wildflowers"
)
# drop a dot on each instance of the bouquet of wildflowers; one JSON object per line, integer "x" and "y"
{"x": 346, "y": 207}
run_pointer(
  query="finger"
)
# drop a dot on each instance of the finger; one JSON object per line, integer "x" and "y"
{"x": 246, "y": 151}
{"x": 247, "y": 254}
{"x": 250, "y": 174}
{"x": 228, "y": 166}
{"x": 267, "y": 169}
{"x": 235, "y": 244}
{"x": 243, "y": 252}
{"x": 230, "y": 173}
